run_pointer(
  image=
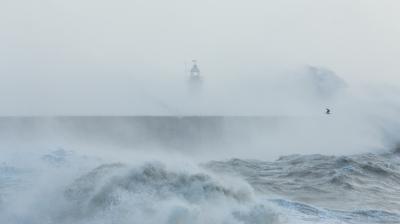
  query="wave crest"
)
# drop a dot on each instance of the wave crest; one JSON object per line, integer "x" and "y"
{"x": 161, "y": 194}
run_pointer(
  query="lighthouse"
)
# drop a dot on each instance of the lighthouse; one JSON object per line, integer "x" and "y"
{"x": 195, "y": 79}
{"x": 195, "y": 71}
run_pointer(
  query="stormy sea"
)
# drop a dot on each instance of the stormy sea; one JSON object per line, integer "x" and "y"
{"x": 148, "y": 170}
{"x": 199, "y": 112}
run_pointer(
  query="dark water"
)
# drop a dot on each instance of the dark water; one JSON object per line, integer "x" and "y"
{"x": 359, "y": 188}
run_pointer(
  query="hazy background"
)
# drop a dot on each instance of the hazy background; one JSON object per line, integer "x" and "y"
{"x": 125, "y": 57}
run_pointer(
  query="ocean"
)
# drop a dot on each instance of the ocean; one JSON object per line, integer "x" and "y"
{"x": 148, "y": 170}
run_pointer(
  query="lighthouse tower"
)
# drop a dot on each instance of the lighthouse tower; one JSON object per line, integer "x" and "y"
{"x": 195, "y": 78}
{"x": 195, "y": 71}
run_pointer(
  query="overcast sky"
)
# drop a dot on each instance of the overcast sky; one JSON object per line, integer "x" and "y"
{"x": 57, "y": 57}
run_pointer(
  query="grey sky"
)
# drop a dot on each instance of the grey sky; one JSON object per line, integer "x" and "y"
{"x": 56, "y": 56}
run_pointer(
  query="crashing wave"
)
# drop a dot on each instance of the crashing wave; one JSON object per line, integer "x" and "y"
{"x": 163, "y": 196}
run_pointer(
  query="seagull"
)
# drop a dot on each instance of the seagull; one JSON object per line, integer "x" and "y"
{"x": 328, "y": 111}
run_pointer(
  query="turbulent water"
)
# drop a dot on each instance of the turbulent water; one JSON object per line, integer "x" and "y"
{"x": 156, "y": 170}
{"x": 63, "y": 186}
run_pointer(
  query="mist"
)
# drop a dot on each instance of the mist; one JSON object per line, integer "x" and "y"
{"x": 293, "y": 118}
{"x": 130, "y": 58}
